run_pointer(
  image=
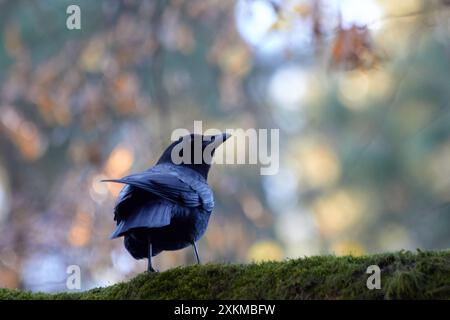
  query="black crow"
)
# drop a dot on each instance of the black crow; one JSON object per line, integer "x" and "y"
{"x": 168, "y": 206}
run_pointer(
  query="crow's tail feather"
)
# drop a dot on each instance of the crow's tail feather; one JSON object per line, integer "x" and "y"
{"x": 114, "y": 180}
{"x": 147, "y": 215}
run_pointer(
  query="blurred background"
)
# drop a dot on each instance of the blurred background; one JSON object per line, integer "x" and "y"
{"x": 359, "y": 89}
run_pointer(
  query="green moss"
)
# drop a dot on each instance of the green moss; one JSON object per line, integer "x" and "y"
{"x": 404, "y": 275}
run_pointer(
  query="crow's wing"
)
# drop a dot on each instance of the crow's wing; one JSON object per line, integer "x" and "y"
{"x": 168, "y": 186}
{"x": 170, "y": 192}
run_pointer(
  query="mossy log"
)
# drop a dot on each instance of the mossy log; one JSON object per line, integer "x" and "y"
{"x": 404, "y": 275}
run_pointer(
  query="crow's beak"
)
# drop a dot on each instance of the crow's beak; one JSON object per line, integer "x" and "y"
{"x": 225, "y": 136}
{"x": 219, "y": 138}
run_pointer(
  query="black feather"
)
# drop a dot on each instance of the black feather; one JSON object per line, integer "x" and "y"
{"x": 169, "y": 204}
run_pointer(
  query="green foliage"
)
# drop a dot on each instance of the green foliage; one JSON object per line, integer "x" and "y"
{"x": 404, "y": 275}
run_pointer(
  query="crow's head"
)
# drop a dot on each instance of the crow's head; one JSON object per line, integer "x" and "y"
{"x": 194, "y": 151}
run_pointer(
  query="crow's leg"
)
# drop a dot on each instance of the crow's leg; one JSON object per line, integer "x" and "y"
{"x": 196, "y": 252}
{"x": 149, "y": 266}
